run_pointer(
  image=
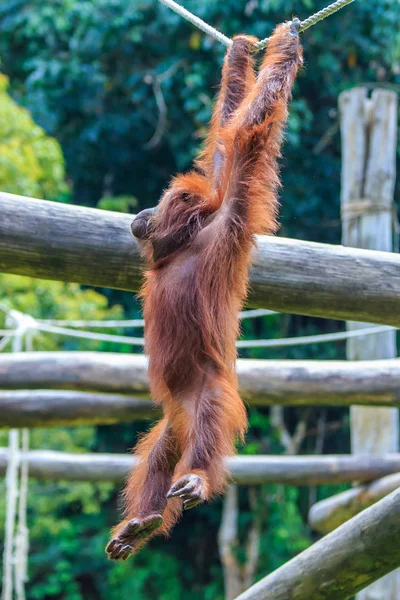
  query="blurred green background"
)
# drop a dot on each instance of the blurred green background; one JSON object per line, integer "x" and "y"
{"x": 101, "y": 101}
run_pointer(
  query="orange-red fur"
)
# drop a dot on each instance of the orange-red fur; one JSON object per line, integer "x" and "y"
{"x": 198, "y": 248}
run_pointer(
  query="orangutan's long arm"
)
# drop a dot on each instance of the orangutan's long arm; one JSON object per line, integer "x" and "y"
{"x": 250, "y": 202}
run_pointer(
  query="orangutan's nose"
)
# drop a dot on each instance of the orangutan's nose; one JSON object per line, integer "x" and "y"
{"x": 141, "y": 224}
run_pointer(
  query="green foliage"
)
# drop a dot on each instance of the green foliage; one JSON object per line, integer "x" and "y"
{"x": 150, "y": 578}
{"x": 284, "y": 531}
{"x": 84, "y": 69}
{"x": 60, "y": 513}
{"x": 55, "y": 300}
{"x": 31, "y": 163}
{"x": 123, "y": 204}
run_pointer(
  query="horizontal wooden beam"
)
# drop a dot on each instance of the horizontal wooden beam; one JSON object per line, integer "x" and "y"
{"x": 328, "y": 514}
{"x": 85, "y": 371}
{"x": 245, "y": 470}
{"x": 110, "y": 375}
{"x": 341, "y": 564}
{"x": 54, "y": 408}
{"x": 95, "y": 247}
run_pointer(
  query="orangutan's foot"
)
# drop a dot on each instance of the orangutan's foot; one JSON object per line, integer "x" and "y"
{"x": 131, "y": 536}
{"x": 189, "y": 488}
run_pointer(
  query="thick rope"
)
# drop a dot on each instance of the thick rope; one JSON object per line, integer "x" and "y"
{"x": 223, "y": 39}
{"x": 197, "y": 22}
{"x": 313, "y": 20}
{"x": 324, "y": 13}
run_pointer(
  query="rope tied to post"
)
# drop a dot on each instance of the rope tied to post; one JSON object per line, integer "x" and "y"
{"x": 357, "y": 208}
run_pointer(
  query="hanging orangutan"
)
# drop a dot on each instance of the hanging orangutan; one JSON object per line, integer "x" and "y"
{"x": 197, "y": 244}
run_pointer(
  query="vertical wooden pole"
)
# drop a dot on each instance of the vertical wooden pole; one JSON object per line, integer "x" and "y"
{"x": 369, "y": 140}
{"x": 228, "y": 541}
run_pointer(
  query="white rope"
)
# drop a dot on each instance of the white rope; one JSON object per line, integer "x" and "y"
{"x": 11, "y": 511}
{"x": 4, "y": 308}
{"x": 313, "y": 339}
{"x": 223, "y": 39}
{"x": 112, "y": 324}
{"x": 16, "y": 537}
{"x": 30, "y": 325}
{"x": 11, "y": 487}
{"x": 4, "y": 342}
{"x": 313, "y": 20}
{"x": 90, "y": 335}
{"x": 24, "y": 332}
{"x": 116, "y": 323}
{"x": 324, "y": 13}
{"x": 22, "y": 537}
{"x": 197, "y": 22}
{"x": 257, "y": 312}
{"x": 293, "y": 341}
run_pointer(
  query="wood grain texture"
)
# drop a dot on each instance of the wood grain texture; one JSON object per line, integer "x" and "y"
{"x": 52, "y": 408}
{"x": 369, "y": 143}
{"x": 70, "y": 243}
{"x": 328, "y": 514}
{"x": 245, "y": 470}
{"x": 40, "y": 389}
{"x": 344, "y": 562}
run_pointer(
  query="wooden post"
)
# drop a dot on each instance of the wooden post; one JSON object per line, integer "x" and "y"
{"x": 369, "y": 139}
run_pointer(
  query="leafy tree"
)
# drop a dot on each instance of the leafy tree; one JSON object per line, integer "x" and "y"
{"x": 60, "y": 514}
{"x": 92, "y": 73}
{"x": 126, "y": 87}
{"x": 63, "y": 517}
{"x": 31, "y": 163}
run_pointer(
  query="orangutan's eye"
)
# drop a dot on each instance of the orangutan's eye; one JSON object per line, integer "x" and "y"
{"x": 186, "y": 197}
